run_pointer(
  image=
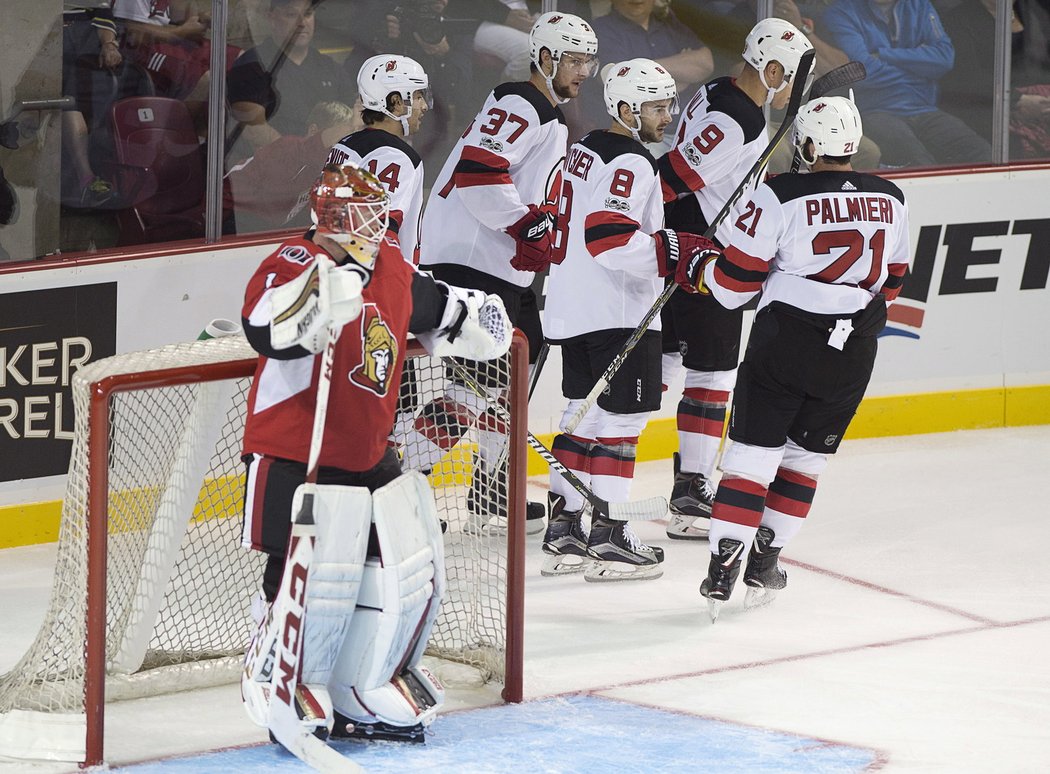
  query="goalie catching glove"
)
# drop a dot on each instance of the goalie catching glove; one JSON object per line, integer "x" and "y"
{"x": 683, "y": 256}
{"x": 533, "y": 238}
{"x": 474, "y": 325}
{"x": 324, "y": 295}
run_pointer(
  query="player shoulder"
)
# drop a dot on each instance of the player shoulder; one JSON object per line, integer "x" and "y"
{"x": 374, "y": 142}
{"x": 525, "y": 94}
{"x": 617, "y": 149}
{"x": 729, "y": 106}
{"x": 794, "y": 186}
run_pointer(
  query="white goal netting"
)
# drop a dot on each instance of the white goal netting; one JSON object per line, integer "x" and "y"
{"x": 177, "y": 585}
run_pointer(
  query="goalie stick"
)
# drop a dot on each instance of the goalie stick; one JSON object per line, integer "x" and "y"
{"x": 283, "y": 717}
{"x": 649, "y": 509}
{"x": 844, "y": 75}
{"x": 798, "y": 87}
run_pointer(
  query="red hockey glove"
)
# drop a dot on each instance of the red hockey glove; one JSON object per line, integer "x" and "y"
{"x": 533, "y": 237}
{"x": 684, "y": 256}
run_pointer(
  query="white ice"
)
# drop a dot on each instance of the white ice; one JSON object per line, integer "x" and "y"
{"x": 916, "y": 621}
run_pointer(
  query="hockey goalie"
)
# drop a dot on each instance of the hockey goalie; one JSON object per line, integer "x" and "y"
{"x": 329, "y": 313}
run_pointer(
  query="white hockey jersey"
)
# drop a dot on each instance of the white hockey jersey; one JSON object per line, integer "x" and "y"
{"x": 719, "y": 138}
{"x": 825, "y": 243}
{"x": 400, "y": 170}
{"x": 609, "y": 207}
{"x": 505, "y": 160}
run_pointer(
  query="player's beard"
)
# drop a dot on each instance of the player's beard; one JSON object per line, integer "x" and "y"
{"x": 651, "y": 134}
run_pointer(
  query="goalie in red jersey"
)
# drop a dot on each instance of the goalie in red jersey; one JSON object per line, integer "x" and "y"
{"x": 361, "y": 672}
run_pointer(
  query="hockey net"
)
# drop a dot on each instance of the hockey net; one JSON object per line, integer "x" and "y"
{"x": 152, "y": 588}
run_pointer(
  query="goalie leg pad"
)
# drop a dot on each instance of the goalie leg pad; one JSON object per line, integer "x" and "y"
{"x": 378, "y": 678}
{"x": 343, "y": 518}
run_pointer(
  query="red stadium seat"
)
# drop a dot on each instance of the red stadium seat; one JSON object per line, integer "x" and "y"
{"x": 160, "y": 168}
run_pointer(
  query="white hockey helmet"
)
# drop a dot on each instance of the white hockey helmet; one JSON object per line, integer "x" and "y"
{"x": 775, "y": 40}
{"x": 380, "y": 76}
{"x": 636, "y": 82}
{"x": 561, "y": 33}
{"x": 832, "y": 124}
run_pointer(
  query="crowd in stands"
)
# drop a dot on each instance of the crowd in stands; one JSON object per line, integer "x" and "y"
{"x": 292, "y": 64}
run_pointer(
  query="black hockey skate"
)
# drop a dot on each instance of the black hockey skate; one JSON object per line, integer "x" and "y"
{"x": 565, "y": 542}
{"x": 487, "y": 504}
{"x": 722, "y": 573}
{"x": 764, "y": 576}
{"x": 692, "y": 497}
{"x": 619, "y": 554}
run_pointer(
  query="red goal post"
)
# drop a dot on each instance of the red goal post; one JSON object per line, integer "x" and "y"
{"x": 151, "y": 588}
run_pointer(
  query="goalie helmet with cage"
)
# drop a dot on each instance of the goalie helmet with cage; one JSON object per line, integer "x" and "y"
{"x": 775, "y": 40}
{"x": 386, "y": 74}
{"x": 562, "y": 33}
{"x": 636, "y": 82}
{"x": 832, "y": 124}
{"x": 350, "y": 206}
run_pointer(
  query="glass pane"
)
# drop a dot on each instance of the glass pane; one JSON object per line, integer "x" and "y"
{"x": 1030, "y": 81}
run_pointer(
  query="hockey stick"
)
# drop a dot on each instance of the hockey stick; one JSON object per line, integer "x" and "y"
{"x": 541, "y": 358}
{"x": 798, "y": 86}
{"x": 844, "y": 75}
{"x": 650, "y": 509}
{"x": 283, "y": 718}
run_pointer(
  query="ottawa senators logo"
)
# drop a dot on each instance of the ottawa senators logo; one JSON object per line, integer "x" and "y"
{"x": 378, "y": 353}
{"x": 391, "y": 65}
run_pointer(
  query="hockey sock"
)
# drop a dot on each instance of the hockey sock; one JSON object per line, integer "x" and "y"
{"x": 737, "y": 511}
{"x": 788, "y": 503}
{"x": 612, "y": 468}
{"x": 701, "y": 420}
{"x": 574, "y": 453}
{"x": 438, "y": 428}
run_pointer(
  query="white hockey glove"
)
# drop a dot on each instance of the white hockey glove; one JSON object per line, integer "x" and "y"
{"x": 303, "y": 309}
{"x": 474, "y": 326}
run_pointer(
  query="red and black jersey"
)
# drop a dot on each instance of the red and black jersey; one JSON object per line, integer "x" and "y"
{"x": 826, "y": 243}
{"x": 609, "y": 207}
{"x": 367, "y": 367}
{"x": 399, "y": 168}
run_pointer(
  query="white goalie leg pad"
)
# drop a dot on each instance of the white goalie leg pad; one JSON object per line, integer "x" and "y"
{"x": 378, "y": 676}
{"x": 343, "y": 516}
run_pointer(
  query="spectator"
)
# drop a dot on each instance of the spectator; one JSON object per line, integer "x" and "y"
{"x": 828, "y": 58}
{"x": 272, "y": 87}
{"x": 270, "y": 190}
{"x": 89, "y": 43}
{"x": 159, "y": 35}
{"x": 634, "y": 29}
{"x": 507, "y": 39}
{"x": 969, "y": 89}
{"x": 906, "y": 51}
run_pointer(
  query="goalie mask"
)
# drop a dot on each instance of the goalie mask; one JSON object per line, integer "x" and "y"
{"x": 832, "y": 124}
{"x": 350, "y": 206}
{"x": 775, "y": 40}
{"x": 563, "y": 33}
{"x": 381, "y": 76}
{"x": 637, "y": 82}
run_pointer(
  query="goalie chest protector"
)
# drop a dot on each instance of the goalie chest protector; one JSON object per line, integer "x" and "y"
{"x": 366, "y": 374}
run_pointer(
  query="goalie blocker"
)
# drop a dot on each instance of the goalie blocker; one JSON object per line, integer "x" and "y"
{"x": 369, "y": 609}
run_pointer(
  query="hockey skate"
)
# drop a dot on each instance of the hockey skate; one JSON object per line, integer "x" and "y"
{"x": 564, "y": 542}
{"x": 486, "y": 502}
{"x": 345, "y": 728}
{"x": 691, "y": 499}
{"x": 764, "y": 576}
{"x": 619, "y": 555}
{"x": 721, "y": 575}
